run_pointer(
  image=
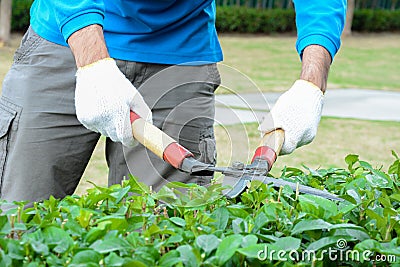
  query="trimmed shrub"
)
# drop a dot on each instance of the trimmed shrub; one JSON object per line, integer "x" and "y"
{"x": 131, "y": 225}
{"x": 367, "y": 20}
{"x": 232, "y": 19}
{"x": 20, "y": 14}
{"x": 250, "y": 20}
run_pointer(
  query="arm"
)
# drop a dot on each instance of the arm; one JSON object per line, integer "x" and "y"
{"x": 103, "y": 95}
{"x": 319, "y": 23}
{"x": 298, "y": 110}
{"x": 319, "y": 27}
{"x": 88, "y": 45}
{"x": 315, "y": 66}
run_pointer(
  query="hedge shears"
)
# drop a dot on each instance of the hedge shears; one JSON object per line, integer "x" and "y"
{"x": 237, "y": 176}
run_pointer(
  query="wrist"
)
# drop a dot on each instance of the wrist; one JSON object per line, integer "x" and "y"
{"x": 315, "y": 66}
{"x": 88, "y": 45}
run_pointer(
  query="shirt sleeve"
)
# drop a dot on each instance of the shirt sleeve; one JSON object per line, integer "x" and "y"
{"x": 320, "y": 22}
{"x": 74, "y": 15}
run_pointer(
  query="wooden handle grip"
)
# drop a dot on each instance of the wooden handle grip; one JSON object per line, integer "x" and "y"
{"x": 158, "y": 142}
{"x": 274, "y": 140}
{"x": 150, "y": 136}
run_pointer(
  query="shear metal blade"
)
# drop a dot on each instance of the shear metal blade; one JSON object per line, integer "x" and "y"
{"x": 238, "y": 185}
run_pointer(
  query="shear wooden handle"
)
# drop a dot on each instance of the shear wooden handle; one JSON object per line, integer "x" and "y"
{"x": 158, "y": 142}
{"x": 270, "y": 147}
{"x": 274, "y": 140}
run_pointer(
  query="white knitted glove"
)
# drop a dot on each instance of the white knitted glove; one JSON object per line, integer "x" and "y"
{"x": 298, "y": 112}
{"x": 104, "y": 98}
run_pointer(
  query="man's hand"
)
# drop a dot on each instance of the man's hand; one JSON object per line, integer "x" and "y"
{"x": 103, "y": 95}
{"x": 104, "y": 99}
{"x": 298, "y": 110}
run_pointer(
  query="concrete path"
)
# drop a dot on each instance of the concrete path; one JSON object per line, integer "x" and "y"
{"x": 342, "y": 103}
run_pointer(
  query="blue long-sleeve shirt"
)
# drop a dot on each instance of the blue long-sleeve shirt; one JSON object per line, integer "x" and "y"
{"x": 172, "y": 31}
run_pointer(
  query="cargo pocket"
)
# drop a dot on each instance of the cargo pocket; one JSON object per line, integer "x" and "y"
{"x": 8, "y": 114}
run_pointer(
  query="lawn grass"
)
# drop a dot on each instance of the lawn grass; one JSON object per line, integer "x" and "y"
{"x": 6, "y": 55}
{"x": 370, "y": 61}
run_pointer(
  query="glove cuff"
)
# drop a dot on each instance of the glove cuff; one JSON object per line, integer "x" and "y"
{"x": 98, "y": 66}
{"x": 307, "y": 89}
{"x": 307, "y": 92}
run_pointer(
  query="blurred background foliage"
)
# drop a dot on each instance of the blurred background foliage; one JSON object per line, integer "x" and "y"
{"x": 266, "y": 16}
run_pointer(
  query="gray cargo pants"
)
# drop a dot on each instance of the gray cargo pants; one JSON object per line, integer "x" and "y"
{"x": 43, "y": 147}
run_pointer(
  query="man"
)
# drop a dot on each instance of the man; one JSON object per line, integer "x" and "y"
{"x": 83, "y": 65}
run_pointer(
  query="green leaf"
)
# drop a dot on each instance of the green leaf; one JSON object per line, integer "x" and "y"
{"x": 5, "y": 260}
{"x": 238, "y": 211}
{"x": 174, "y": 239}
{"x": 318, "y": 205}
{"x": 368, "y": 244}
{"x": 170, "y": 259}
{"x": 133, "y": 263}
{"x": 3, "y": 221}
{"x": 57, "y": 239}
{"x": 187, "y": 256}
{"x": 207, "y": 242}
{"x": 88, "y": 257}
{"x": 227, "y": 248}
{"x": 40, "y": 247}
{"x": 110, "y": 244}
{"x": 379, "y": 181}
{"x": 395, "y": 167}
{"x": 138, "y": 187}
{"x": 115, "y": 222}
{"x": 351, "y": 160}
{"x": 152, "y": 230}
{"x": 95, "y": 234}
{"x": 308, "y": 225}
{"x": 239, "y": 226}
{"x": 395, "y": 197}
{"x": 178, "y": 221}
{"x": 287, "y": 243}
{"x": 15, "y": 250}
{"x": 255, "y": 251}
{"x": 346, "y": 226}
{"x": 167, "y": 195}
{"x": 365, "y": 165}
{"x": 113, "y": 260}
{"x": 84, "y": 217}
{"x": 180, "y": 185}
{"x": 329, "y": 241}
{"x": 358, "y": 234}
{"x": 260, "y": 220}
{"x": 249, "y": 240}
{"x": 221, "y": 217}
{"x": 120, "y": 194}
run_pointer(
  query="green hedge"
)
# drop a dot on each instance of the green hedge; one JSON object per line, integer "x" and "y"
{"x": 250, "y": 20}
{"x": 131, "y": 225}
{"x": 20, "y": 14}
{"x": 368, "y": 20}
